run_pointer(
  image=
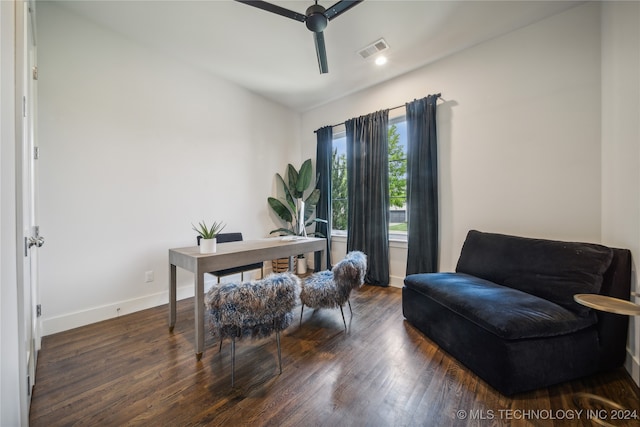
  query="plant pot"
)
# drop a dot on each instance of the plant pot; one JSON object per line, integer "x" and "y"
{"x": 207, "y": 246}
{"x": 281, "y": 265}
{"x": 302, "y": 266}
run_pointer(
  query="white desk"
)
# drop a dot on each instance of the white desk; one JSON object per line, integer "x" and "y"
{"x": 228, "y": 255}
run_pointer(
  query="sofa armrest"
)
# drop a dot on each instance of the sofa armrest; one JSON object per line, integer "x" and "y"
{"x": 613, "y": 328}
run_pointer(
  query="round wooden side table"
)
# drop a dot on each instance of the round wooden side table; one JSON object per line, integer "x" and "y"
{"x": 610, "y": 305}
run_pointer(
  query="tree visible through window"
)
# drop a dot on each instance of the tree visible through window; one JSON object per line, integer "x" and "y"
{"x": 339, "y": 184}
{"x": 397, "y": 179}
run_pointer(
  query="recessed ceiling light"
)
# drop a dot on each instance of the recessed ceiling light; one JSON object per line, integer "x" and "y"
{"x": 381, "y": 60}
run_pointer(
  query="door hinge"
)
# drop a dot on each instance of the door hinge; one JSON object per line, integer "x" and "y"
{"x": 35, "y": 73}
{"x": 24, "y": 106}
{"x": 28, "y": 385}
{"x": 38, "y": 310}
{"x": 36, "y": 153}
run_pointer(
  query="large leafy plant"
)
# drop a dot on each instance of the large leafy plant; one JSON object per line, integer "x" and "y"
{"x": 298, "y": 187}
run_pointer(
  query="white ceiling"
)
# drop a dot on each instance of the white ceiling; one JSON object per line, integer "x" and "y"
{"x": 275, "y": 56}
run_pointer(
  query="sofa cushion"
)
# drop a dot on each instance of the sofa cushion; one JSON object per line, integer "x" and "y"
{"x": 557, "y": 289}
{"x": 549, "y": 269}
{"x": 505, "y": 312}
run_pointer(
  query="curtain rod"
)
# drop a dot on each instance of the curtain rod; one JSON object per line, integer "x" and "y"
{"x": 438, "y": 95}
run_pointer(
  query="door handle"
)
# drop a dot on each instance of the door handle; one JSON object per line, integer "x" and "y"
{"x": 35, "y": 241}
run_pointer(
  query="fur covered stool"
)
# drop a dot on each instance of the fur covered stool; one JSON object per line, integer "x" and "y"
{"x": 331, "y": 289}
{"x": 254, "y": 309}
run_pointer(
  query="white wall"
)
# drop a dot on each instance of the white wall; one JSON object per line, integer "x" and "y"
{"x": 134, "y": 148}
{"x": 621, "y": 143}
{"x": 519, "y": 133}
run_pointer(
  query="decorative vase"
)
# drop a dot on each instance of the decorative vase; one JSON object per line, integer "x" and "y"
{"x": 208, "y": 246}
{"x": 302, "y": 266}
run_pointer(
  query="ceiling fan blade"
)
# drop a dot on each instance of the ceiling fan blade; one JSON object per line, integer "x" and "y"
{"x": 340, "y": 7}
{"x": 321, "y": 51}
{"x": 274, "y": 9}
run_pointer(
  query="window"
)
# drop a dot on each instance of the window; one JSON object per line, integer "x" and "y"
{"x": 339, "y": 184}
{"x": 397, "y": 180}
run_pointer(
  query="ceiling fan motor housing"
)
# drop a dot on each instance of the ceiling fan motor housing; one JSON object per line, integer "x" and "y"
{"x": 316, "y": 19}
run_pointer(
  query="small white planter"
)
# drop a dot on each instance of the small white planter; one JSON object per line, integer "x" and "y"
{"x": 208, "y": 246}
{"x": 301, "y": 268}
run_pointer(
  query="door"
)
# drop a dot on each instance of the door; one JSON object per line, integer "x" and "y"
{"x": 26, "y": 73}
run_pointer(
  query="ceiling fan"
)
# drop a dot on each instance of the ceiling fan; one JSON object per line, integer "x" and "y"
{"x": 316, "y": 19}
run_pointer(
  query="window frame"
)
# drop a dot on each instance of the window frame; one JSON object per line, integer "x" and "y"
{"x": 394, "y": 236}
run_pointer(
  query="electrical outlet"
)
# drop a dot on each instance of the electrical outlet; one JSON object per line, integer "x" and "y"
{"x": 148, "y": 276}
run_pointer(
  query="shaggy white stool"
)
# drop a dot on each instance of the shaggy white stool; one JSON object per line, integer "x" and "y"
{"x": 254, "y": 309}
{"x": 331, "y": 289}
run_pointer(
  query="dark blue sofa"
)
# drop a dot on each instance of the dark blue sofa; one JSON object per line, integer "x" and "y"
{"x": 508, "y": 312}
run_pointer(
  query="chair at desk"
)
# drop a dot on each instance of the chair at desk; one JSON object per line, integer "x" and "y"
{"x": 234, "y": 237}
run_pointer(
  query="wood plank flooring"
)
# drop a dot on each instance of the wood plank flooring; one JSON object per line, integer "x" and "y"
{"x": 132, "y": 371}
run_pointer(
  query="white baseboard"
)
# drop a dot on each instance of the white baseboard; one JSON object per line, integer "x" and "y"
{"x": 632, "y": 365}
{"x": 396, "y": 281}
{"x": 76, "y": 319}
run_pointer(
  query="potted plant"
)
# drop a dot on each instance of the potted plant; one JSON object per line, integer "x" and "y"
{"x": 208, "y": 235}
{"x": 298, "y": 205}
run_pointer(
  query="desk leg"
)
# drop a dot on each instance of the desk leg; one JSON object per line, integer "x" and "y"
{"x": 199, "y": 313}
{"x": 172, "y": 297}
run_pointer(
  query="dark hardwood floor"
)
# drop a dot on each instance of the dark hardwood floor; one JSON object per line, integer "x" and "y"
{"x": 132, "y": 371}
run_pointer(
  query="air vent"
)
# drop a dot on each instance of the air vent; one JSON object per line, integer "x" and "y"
{"x": 373, "y": 48}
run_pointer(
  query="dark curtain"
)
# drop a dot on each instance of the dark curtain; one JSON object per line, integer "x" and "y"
{"x": 422, "y": 186}
{"x": 368, "y": 193}
{"x": 323, "y": 209}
